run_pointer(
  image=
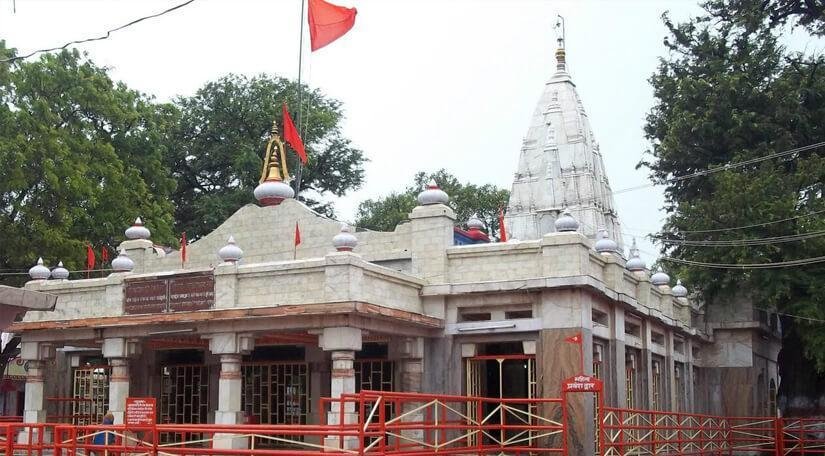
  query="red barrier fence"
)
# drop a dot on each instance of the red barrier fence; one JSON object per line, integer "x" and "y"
{"x": 408, "y": 424}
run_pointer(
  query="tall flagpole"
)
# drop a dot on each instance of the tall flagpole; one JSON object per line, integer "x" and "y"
{"x": 299, "y": 173}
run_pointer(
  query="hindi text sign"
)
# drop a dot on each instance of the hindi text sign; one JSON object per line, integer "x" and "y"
{"x": 582, "y": 384}
{"x": 140, "y": 411}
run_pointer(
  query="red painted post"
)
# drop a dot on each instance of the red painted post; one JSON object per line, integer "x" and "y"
{"x": 564, "y": 424}
{"x": 779, "y": 436}
{"x": 600, "y": 427}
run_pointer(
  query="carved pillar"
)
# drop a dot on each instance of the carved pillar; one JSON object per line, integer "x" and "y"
{"x": 343, "y": 342}
{"x": 117, "y": 351}
{"x": 230, "y": 347}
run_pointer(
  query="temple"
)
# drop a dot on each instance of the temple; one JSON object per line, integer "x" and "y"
{"x": 253, "y": 328}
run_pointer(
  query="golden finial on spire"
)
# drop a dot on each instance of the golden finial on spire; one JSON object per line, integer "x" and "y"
{"x": 274, "y": 158}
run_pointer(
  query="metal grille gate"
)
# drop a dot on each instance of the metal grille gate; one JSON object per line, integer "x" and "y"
{"x": 474, "y": 371}
{"x": 276, "y": 392}
{"x": 90, "y": 394}
{"x": 184, "y": 394}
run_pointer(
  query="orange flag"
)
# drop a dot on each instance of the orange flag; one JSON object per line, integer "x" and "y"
{"x": 182, "y": 249}
{"x": 577, "y": 339}
{"x": 292, "y": 137}
{"x": 502, "y": 232}
{"x": 297, "y": 235}
{"x": 328, "y": 22}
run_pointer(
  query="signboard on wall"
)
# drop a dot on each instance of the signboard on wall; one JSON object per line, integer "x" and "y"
{"x": 582, "y": 384}
{"x": 177, "y": 293}
{"x": 140, "y": 411}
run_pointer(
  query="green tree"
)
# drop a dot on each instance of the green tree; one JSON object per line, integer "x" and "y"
{"x": 755, "y": 14}
{"x": 467, "y": 199}
{"x": 216, "y": 155}
{"x": 80, "y": 157}
{"x": 728, "y": 92}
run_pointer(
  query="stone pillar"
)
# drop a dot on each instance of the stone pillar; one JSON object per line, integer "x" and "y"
{"x": 117, "y": 351}
{"x": 230, "y": 347}
{"x": 432, "y": 232}
{"x": 411, "y": 363}
{"x": 35, "y": 355}
{"x": 343, "y": 342}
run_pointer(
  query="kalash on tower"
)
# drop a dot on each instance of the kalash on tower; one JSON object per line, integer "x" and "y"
{"x": 257, "y": 327}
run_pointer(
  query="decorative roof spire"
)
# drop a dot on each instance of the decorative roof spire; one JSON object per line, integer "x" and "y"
{"x": 432, "y": 195}
{"x": 122, "y": 262}
{"x": 230, "y": 253}
{"x": 560, "y": 60}
{"x": 344, "y": 241}
{"x": 138, "y": 231}
{"x": 635, "y": 263}
{"x": 60, "y": 273}
{"x": 272, "y": 188}
{"x": 39, "y": 272}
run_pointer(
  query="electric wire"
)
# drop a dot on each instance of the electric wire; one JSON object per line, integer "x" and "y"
{"x": 742, "y": 242}
{"x": 798, "y": 317}
{"x": 780, "y": 264}
{"x": 99, "y": 38}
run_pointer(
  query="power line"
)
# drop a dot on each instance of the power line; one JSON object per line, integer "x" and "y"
{"x": 772, "y": 222}
{"x": 726, "y": 167}
{"x": 780, "y": 264}
{"x": 743, "y": 242}
{"x": 99, "y": 38}
{"x": 798, "y": 317}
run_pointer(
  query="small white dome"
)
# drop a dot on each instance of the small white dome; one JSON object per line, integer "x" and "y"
{"x": 566, "y": 222}
{"x": 230, "y": 253}
{"x": 660, "y": 278}
{"x": 635, "y": 263}
{"x": 344, "y": 241}
{"x": 475, "y": 223}
{"x": 605, "y": 244}
{"x": 39, "y": 272}
{"x": 60, "y": 273}
{"x": 679, "y": 290}
{"x": 272, "y": 192}
{"x": 122, "y": 262}
{"x": 432, "y": 195}
{"x": 138, "y": 231}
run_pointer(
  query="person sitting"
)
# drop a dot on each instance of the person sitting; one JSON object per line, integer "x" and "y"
{"x": 105, "y": 438}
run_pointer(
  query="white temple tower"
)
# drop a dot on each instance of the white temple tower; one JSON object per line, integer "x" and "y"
{"x": 560, "y": 165}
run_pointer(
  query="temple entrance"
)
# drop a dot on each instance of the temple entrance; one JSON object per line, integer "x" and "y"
{"x": 90, "y": 395}
{"x": 501, "y": 374}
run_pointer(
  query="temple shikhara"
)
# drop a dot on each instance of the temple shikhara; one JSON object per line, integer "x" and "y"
{"x": 254, "y": 329}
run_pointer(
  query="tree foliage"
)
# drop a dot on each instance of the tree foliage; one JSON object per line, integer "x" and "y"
{"x": 80, "y": 157}
{"x": 754, "y": 14}
{"x": 728, "y": 92}
{"x": 219, "y": 143}
{"x": 466, "y": 199}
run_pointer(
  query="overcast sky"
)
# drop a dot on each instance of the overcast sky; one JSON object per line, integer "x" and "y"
{"x": 425, "y": 84}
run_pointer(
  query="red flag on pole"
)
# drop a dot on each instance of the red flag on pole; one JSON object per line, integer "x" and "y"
{"x": 577, "y": 339}
{"x": 328, "y": 22}
{"x": 104, "y": 255}
{"x": 182, "y": 249}
{"x": 502, "y": 236}
{"x": 292, "y": 137}
{"x": 90, "y": 259}
{"x": 297, "y": 235}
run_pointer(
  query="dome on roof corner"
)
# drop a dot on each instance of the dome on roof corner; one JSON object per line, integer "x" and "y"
{"x": 138, "y": 231}
{"x": 122, "y": 262}
{"x": 475, "y": 223}
{"x": 432, "y": 195}
{"x": 273, "y": 192}
{"x": 679, "y": 290}
{"x": 605, "y": 244}
{"x": 230, "y": 253}
{"x": 660, "y": 278}
{"x": 635, "y": 263}
{"x": 39, "y": 272}
{"x": 566, "y": 222}
{"x": 344, "y": 241}
{"x": 60, "y": 273}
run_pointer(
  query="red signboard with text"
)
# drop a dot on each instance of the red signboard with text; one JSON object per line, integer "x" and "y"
{"x": 582, "y": 384}
{"x": 140, "y": 411}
